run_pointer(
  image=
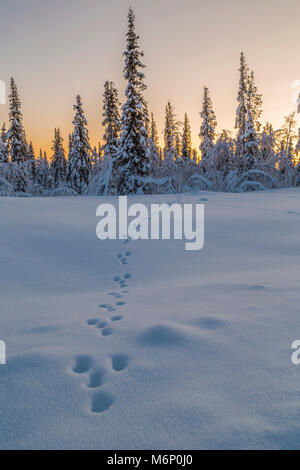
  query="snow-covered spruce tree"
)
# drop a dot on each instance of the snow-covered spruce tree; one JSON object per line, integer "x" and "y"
{"x": 79, "y": 159}
{"x": 18, "y": 148}
{"x": 5, "y": 174}
{"x": 267, "y": 145}
{"x": 286, "y": 157}
{"x": 207, "y": 131}
{"x": 221, "y": 162}
{"x": 186, "y": 145}
{"x": 95, "y": 159}
{"x": 4, "y": 153}
{"x": 178, "y": 139}
{"x": 133, "y": 157}
{"x": 297, "y": 149}
{"x": 31, "y": 163}
{"x": 298, "y": 142}
{"x": 147, "y": 121}
{"x": 111, "y": 120}
{"x": 171, "y": 134}
{"x": 16, "y": 133}
{"x": 255, "y": 103}
{"x": 103, "y": 178}
{"x": 242, "y": 109}
{"x": 41, "y": 177}
{"x": 195, "y": 156}
{"x": 58, "y": 165}
{"x": 178, "y": 169}
{"x": 251, "y": 153}
{"x": 154, "y": 133}
{"x": 155, "y": 156}
{"x": 224, "y": 159}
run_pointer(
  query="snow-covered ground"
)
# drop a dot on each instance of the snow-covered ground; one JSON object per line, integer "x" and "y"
{"x": 196, "y": 355}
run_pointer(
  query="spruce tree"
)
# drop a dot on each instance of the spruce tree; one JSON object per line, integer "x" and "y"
{"x": 255, "y": 103}
{"x": 186, "y": 145}
{"x": 16, "y": 133}
{"x": 41, "y": 178}
{"x": 154, "y": 133}
{"x": 58, "y": 165}
{"x": 4, "y": 153}
{"x": 178, "y": 139}
{"x": 111, "y": 121}
{"x": 242, "y": 110}
{"x": 133, "y": 157}
{"x": 31, "y": 162}
{"x": 224, "y": 161}
{"x": 286, "y": 161}
{"x": 79, "y": 158}
{"x": 267, "y": 144}
{"x": 250, "y": 142}
{"x": 171, "y": 134}
{"x": 298, "y": 142}
{"x": 154, "y": 147}
{"x": 207, "y": 130}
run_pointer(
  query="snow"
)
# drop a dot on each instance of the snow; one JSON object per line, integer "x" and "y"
{"x": 193, "y": 350}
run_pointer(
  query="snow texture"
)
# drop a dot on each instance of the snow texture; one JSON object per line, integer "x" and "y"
{"x": 133, "y": 345}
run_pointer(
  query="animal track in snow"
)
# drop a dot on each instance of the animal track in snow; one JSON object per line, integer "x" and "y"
{"x": 82, "y": 364}
{"x": 97, "y": 378}
{"x": 108, "y": 307}
{"x": 119, "y": 362}
{"x": 121, "y": 281}
{"x": 116, "y": 318}
{"x": 101, "y": 402}
{"x": 115, "y": 295}
{"x": 92, "y": 321}
{"x": 107, "y": 331}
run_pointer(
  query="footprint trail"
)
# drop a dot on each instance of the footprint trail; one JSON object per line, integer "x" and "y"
{"x": 86, "y": 366}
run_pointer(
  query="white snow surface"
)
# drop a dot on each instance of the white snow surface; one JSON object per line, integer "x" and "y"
{"x": 199, "y": 356}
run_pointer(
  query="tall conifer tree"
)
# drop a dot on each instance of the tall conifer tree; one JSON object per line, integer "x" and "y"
{"x": 207, "y": 130}
{"x": 133, "y": 158}
{"x": 111, "y": 120}
{"x": 80, "y": 158}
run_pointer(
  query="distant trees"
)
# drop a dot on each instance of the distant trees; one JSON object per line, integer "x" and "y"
{"x": 131, "y": 159}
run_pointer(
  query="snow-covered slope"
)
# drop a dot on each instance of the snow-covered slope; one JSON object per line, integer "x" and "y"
{"x": 188, "y": 349}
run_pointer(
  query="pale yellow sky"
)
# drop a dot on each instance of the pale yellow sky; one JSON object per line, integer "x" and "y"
{"x": 56, "y": 49}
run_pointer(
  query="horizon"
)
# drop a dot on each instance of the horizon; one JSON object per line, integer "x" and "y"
{"x": 47, "y": 96}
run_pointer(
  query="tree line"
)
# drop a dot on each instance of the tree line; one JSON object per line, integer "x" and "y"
{"x": 131, "y": 160}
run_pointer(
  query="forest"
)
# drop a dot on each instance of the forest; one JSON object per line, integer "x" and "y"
{"x": 131, "y": 160}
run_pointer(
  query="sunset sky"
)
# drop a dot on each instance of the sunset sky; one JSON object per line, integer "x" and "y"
{"x": 56, "y": 49}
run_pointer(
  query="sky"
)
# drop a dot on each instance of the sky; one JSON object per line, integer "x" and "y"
{"x": 59, "y": 48}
